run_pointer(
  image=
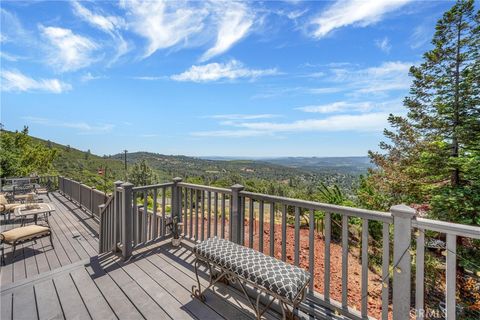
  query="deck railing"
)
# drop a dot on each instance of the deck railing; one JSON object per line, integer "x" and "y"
{"x": 88, "y": 198}
{"x": 251, "y": 219}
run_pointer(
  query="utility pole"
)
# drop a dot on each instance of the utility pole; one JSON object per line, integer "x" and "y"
{"x": 125, "y": 161}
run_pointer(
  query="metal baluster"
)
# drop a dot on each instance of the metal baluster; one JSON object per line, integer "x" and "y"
{"x": 154, "y": 216}
{"x": 164, "y": 197}
{"x": 191, "y": 214}
{"x": 311, "y": 249}
{"x": 215, "y": 208}
{"x": 222, "y": 227}
{"x": 250, "y": 222}
{"x": 202, "y": 236}
{"x": 297, "y": 236}
{"x": 145, "y": 217}
{"x": 272, "y": 229}
{"x": 196, "y": 215}
{"x": 345, "y": 262}
{"x": 209, "y": 212}
{"x": 284, "y": 233}
{"x": 260, "y": 227}
{"x": 135, "y": 221}
{"x": 328, "y": 235}
{"x": 185, "y": 213}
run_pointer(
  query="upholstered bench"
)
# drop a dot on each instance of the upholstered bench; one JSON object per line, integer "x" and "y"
{"x": 20, "y": 235}
{"x": 242, "y": 265}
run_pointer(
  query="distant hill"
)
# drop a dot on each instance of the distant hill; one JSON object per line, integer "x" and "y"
{"x": 350, "y": 165}
{"x": 83, "y": 166}
{"x": 190, "y": 166}
{"x": 343, "y": 171}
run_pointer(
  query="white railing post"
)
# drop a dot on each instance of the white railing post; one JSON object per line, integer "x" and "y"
{"x": 236, "y": 214}
{"x": 402, "y": 259}
{"x": 127, "y": 219}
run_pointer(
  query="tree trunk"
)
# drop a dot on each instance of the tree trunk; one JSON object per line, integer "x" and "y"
{"x": 455, "y": 178}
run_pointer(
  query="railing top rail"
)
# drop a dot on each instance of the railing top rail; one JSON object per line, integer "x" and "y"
{"x": 206, "y": 188}
{"x": 447, "y": 227}
{"x": 349, "y": 211}
{"x": 153, "y": 186}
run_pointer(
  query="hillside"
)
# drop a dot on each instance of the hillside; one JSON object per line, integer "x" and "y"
{"x": 225, "y": 172}
{"x": 83, "y": 165}
{"x": 278, "y": 176}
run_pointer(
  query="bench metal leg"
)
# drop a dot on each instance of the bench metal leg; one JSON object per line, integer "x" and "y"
{"x": 214, "y": 278}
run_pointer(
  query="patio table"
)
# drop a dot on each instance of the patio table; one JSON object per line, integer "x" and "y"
{"x": 35, "y": 210}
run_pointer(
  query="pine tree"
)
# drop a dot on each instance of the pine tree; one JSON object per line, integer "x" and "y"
{"x": 434, "y": 152}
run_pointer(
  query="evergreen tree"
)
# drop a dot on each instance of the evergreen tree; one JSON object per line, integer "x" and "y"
{"x": 141, "y": 174}
{"x": 434, "y": 152}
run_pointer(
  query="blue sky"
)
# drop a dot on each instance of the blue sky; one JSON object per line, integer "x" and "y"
{"x": 287, "y": 78}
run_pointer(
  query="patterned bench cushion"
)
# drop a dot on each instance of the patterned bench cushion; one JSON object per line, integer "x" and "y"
{"x": 275, "y": 275}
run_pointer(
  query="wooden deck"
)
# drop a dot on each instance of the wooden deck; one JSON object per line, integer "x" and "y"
{"x": 72, "y": 281}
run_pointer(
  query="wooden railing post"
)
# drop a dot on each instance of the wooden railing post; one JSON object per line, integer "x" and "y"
{"x": 90, "y": 206}
{"x": 236, "y": 214}
{"x": 176, "y": 204}
{"x": 80, "y": 200}
{"x": 117, "y": 219}
{"x": 402, "y": 259}
{"x": 101, "y": 232}
{"x": 127, "y": 219}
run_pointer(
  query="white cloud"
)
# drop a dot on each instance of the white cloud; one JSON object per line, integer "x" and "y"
{"x": 150, "y": 78}
{"x": 164, "y": 24}
{"x": 229, "y": 133}
{"x": 339, "y": 106}
{"x": 68, "y": 51}
{"x": 237, "y": 116}
{"x": 9, "y": 57}
{"x": 89, "y": 77}
{"x": 368, "y": 122}
{"x": 389, "y": 76}
{"x": 383, "y": 44}
{"x": 105, "y": 23}
{"x": 109, "y": 24}
{"x": 17, "y": 82}
{"x": 353, "y": 12}
{"x": 421, "y": 35}
{"x": 360, "y": 122}
{"x": 82, "y": 127}
{"x": 236, "y": 21}
{"x": 218, "y": 71}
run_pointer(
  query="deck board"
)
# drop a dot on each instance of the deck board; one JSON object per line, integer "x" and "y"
{"x": 24, "y": 304}
{"x": 70, "y": 299}
{"x": 71, "y": 281}
{"x": 92, "y": 296}
{"x": 48, "y": 304}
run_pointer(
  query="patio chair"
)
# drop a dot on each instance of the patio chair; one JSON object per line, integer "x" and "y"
{"x": 7, "y": 208}
{"x": 20, "y": 235}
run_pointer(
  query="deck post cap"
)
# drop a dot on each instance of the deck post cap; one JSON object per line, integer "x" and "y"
{"x": 177, "y": 179}
{"x": 118, "y": 183}
{"x": 403, "y": 211}
{"x": 237, "y": 186}
{"x": 127, "y": 185}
